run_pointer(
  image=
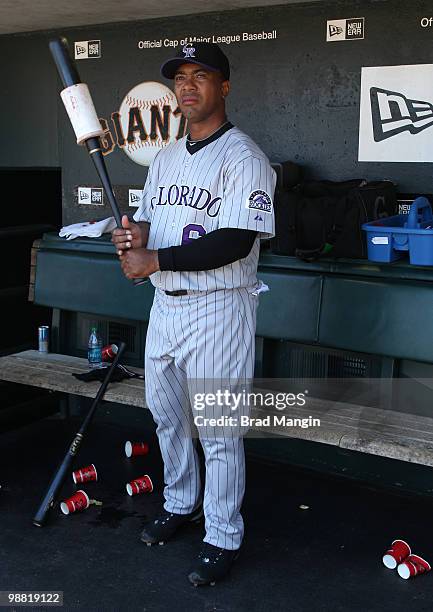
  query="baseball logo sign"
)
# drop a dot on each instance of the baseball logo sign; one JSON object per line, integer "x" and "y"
{"x": 149, "y": 119}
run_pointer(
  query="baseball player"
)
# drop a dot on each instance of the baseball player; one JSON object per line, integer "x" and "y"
{"x": 207, "y": 202}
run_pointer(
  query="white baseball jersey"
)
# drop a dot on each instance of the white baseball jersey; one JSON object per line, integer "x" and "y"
{"x": 229, "y": 183}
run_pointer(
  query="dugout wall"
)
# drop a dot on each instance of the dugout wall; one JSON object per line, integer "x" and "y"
{"x": 298, "y": 91}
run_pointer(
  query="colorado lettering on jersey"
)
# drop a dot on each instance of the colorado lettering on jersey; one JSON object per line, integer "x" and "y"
{"x": 226, "y": 183}
{"x": 182, "y": 195}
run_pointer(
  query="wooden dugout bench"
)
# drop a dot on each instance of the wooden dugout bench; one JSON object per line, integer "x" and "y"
{"x": 325, "y": 310}
{"x": 370, "y": 430}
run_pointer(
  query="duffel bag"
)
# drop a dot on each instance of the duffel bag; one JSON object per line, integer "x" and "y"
{"x": 325, "y": 217}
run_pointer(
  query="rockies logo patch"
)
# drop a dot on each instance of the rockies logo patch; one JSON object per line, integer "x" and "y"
{"x": 259, "y": 200}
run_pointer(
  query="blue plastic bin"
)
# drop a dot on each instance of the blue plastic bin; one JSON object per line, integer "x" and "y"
{"x": 388, "y": 239}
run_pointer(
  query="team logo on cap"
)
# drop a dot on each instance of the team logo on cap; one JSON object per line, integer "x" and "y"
{"x": 188, "y": 51}
{"x": 259, "y": 200}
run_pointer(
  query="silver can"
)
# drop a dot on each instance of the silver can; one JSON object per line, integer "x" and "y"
{"x": 44, "y": 337}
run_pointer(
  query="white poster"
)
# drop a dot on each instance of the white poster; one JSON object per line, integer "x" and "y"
{"x": 396, "y": 114}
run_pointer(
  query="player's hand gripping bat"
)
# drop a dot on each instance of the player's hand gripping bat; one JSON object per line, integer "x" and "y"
{"x": 81, "y": 110}
{"x": 65, "y": 467}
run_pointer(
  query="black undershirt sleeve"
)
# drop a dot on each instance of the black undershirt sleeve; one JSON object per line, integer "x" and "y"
{"x": 216, "y": 249}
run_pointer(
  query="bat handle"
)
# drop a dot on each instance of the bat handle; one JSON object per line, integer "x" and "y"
{"x": 94, "y": 148}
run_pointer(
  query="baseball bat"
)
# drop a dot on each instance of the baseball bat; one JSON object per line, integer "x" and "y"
{"x": 65, "y": 466}
{"x": 69, "y": 75}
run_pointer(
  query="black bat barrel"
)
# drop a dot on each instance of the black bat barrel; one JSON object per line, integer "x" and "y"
{"x": 65, "y": 66}
{"x": 66, "y": 464}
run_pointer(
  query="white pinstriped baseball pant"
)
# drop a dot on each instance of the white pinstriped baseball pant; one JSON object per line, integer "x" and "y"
{"x": 204, "y": 335}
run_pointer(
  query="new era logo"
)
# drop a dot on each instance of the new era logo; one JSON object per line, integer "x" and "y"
{"x": 85, "y": 49}
{"x": 335, "y": 30}
{"x": 355, "y": 28}
{"x": 96, "y": 195}
{"x": 393, "y": 113}
{"x": 94, "y": 48}
{"x": 90, "y": 195}
{"x": 135, "y": 197}
{"x": 345, "y": 29}
{"x": 404, "y": 206}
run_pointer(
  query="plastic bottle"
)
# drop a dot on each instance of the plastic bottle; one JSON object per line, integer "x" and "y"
{"x": 94, "y": 352}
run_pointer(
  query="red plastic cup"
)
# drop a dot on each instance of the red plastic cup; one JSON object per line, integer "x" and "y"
{"x": 109, "y": 352}
{"x": 132, "y": 449}
{"x": 78, "y": 501}
{"x": 412, "y": 566}
{"x": 396, "y": 554}
{"x": 140, "y": 485}
{"x": 85, "y": 474}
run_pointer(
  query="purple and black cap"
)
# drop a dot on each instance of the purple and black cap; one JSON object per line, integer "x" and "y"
{"x": 208, "y": 55}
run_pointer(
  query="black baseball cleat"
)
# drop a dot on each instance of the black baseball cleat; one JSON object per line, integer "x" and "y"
{"x": 165, "y": 526}
{"x": 212, "y": 564}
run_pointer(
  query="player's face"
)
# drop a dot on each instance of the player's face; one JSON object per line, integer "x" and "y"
{"x": 200, "y": 93}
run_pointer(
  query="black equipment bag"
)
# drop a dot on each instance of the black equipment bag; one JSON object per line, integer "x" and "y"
{"x": 288, "y": 175}
{"x": 324, "y": 218}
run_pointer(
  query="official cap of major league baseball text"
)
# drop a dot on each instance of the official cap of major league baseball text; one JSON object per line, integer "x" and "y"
{"x": 208, "y": 55}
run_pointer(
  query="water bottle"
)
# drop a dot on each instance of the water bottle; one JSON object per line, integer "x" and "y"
{"x": 94, "y": 352}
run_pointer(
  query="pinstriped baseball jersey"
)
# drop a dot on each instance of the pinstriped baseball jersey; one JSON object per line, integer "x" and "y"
{"x": 229, "y": 183}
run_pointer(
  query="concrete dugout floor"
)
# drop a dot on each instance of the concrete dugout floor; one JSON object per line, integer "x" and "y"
{"x": 326, "y": 558}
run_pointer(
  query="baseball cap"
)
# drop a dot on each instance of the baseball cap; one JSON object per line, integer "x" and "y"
{"x": 208, "y": 55}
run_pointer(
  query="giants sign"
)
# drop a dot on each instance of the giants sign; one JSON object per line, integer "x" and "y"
{"x": 148, "y": 120}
